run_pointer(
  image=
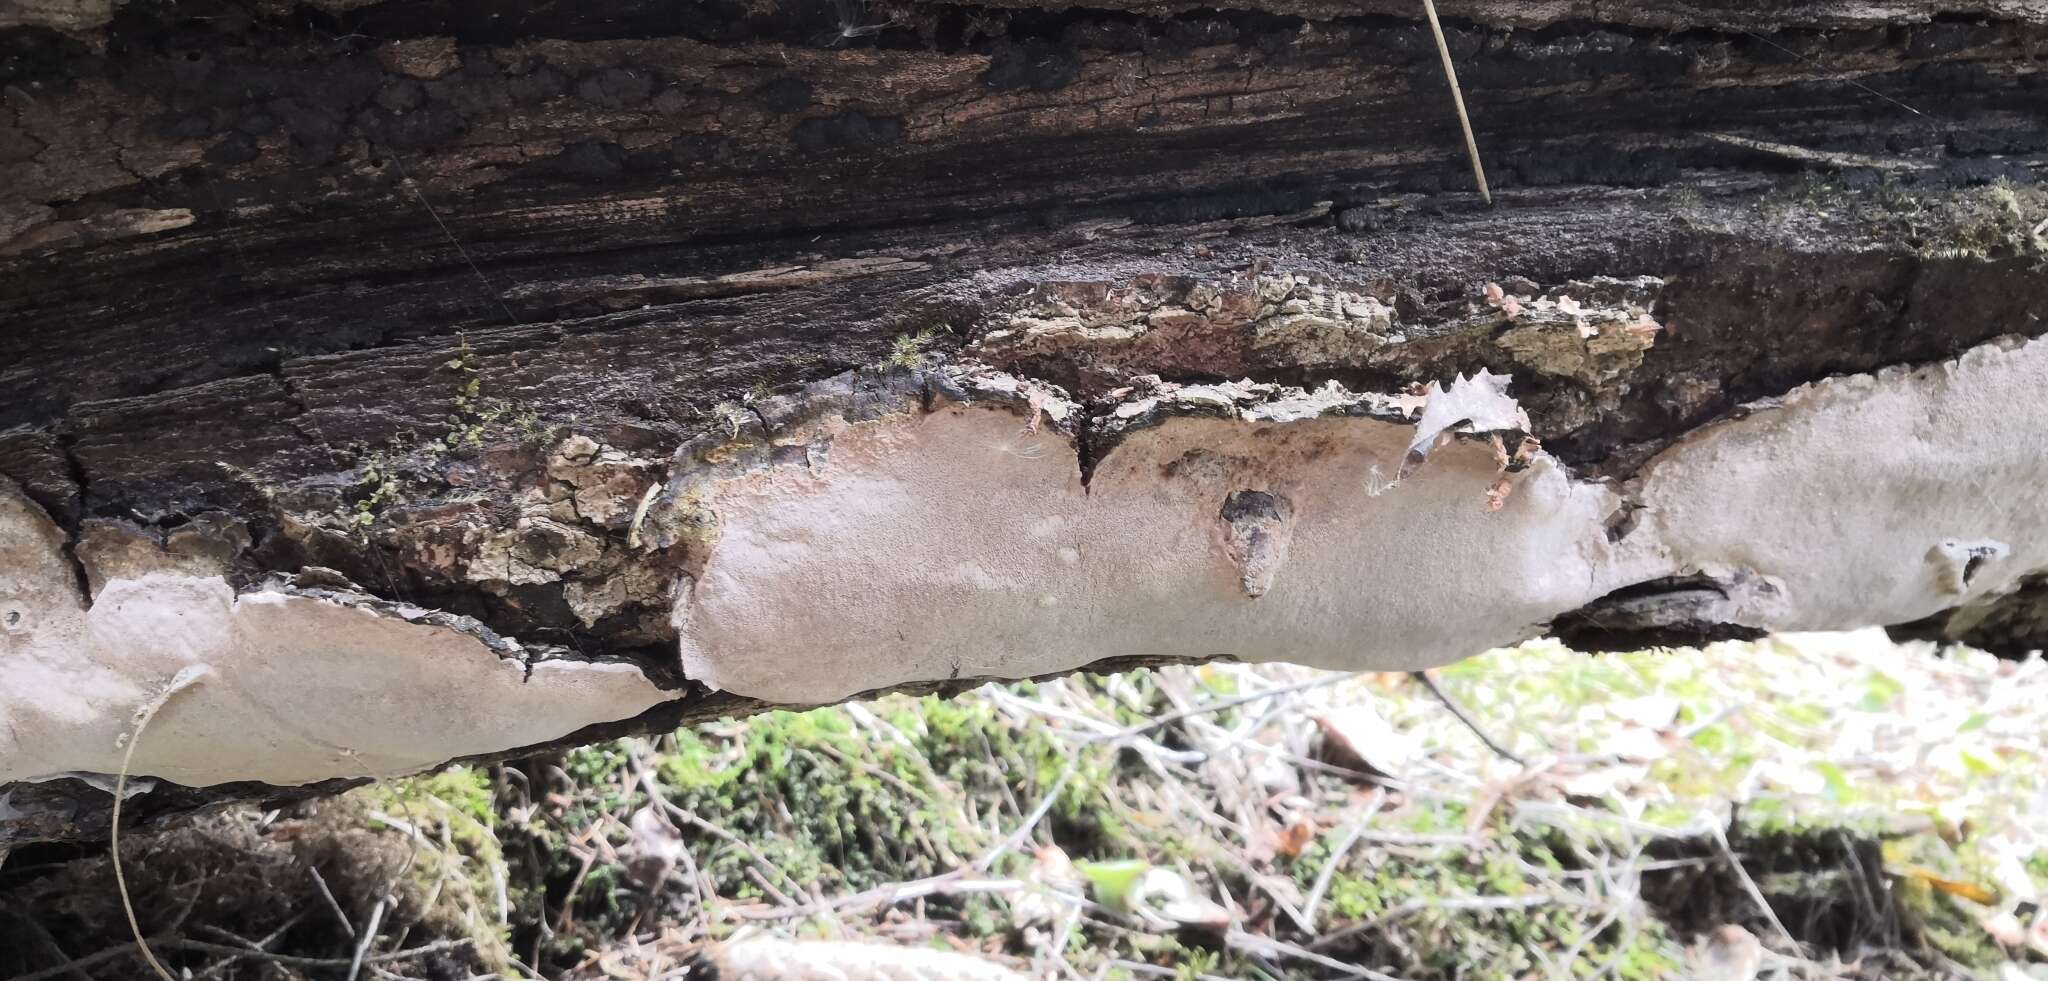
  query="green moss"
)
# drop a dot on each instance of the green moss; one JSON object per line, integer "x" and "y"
{"x": 1995, "y": 222}
{"x": 465, "y": 790}
{"x": 1420, "y": 925}
{"x": 596, "y": 765}
{"x": 824, "y": 803}
{"x": 1989, "y": 223}
{"x": 843, "y": 800}
{"x": 459, "y": 867}
{"x": 473, "y": 419}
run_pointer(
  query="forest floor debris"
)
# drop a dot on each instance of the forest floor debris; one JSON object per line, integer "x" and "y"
{"x": 1815, "y": 806}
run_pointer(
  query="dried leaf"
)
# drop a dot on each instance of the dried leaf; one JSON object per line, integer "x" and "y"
{"x": 1296, "y": 838}
{"x": 1112, "y": 883}
{"x": 1650, "y": 711}
{"x": 653, "y": 846}
{"x": 1601, "y": 782}
{"x": 1274, "y": 775}
{"x": 619, "y": 963}
{"x": 1497, "y": 495}
{"x": 1356, "y": 738}
{"x": 1730, "y": 953}
{"x": 1164, "y": 899}
{"x": 2006, "y": 929}
{"x": 1051, "y": 871}
{"x": 1645, "y": 745}
{"x": 1051, "y": 866}
{"x": 773, "y": 957}
{"x": 2009, "y": 869}
{"x": 1962, "y": 890}
{"x": 1479, "y": 404}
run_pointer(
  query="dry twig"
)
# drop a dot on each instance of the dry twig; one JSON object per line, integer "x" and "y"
{"x": 1458, "y": 98}
{"x": 179, "y": 682}
{"x": 1464, "y": 717}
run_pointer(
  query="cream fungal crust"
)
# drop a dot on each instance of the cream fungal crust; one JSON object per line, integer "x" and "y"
{"x": 1857, "y": 497}
{"x": 872, "y": 541}
{"x": 298, "y": 688}
{"x": 951, "y": 543}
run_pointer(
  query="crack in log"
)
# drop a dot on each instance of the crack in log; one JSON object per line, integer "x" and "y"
{"x": 73, "y": 527}
{"x": 1675, "y": 611}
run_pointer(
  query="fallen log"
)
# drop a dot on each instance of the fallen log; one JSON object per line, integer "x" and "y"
{"x": 437, "y": 382}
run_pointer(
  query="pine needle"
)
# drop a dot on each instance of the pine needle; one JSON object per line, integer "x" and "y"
{"x": 179, "y": 682}
{"x": 1458, "y": 98}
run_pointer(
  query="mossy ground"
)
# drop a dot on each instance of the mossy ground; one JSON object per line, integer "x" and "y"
{"x": 1888, "y": 804}
{"x": 1871, "y": 791}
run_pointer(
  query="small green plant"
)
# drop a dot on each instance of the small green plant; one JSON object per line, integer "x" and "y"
{"x": 472, "y": 411}
{"x": 472, "y": 417}
{"x": 908, "y": 352}
{"x": 475, "y": 413}
{"x": 379, "y": 487}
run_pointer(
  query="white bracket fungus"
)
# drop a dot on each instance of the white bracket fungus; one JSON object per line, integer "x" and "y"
{"x": 300, "y": 687}
{"x": 944, "y": 540}
{"x": 884, "y": 530}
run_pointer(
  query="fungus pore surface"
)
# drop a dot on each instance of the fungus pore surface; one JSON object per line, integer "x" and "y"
{"x": 959, "y": 522}
{"x": 297, "y": 688}
{"x": 958, "y": 540}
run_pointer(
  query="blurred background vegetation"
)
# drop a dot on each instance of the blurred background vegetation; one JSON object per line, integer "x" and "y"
{"x": 1809, "y": 806}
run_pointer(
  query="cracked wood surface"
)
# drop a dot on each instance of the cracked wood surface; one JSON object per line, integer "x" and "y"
{"x": 418, "y": 302}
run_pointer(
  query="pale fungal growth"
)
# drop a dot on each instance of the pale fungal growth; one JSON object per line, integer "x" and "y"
{"x": 917, "y": 550}
{"x": 1258, "y": 527}
{"x": 1594, "y": 332}
{"x": 881, "y": 530}
{"x": 596, "y": 483}
{"x": 299, "y": 687}
{"x": 1178, "y": 323}
{"x": 1479, "y": 404}
{"x": 922, "y": 551}
{"x": 205, "y": 546}
{"x": 1840, "y": 491}
{"x": 1957, "y": 564}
